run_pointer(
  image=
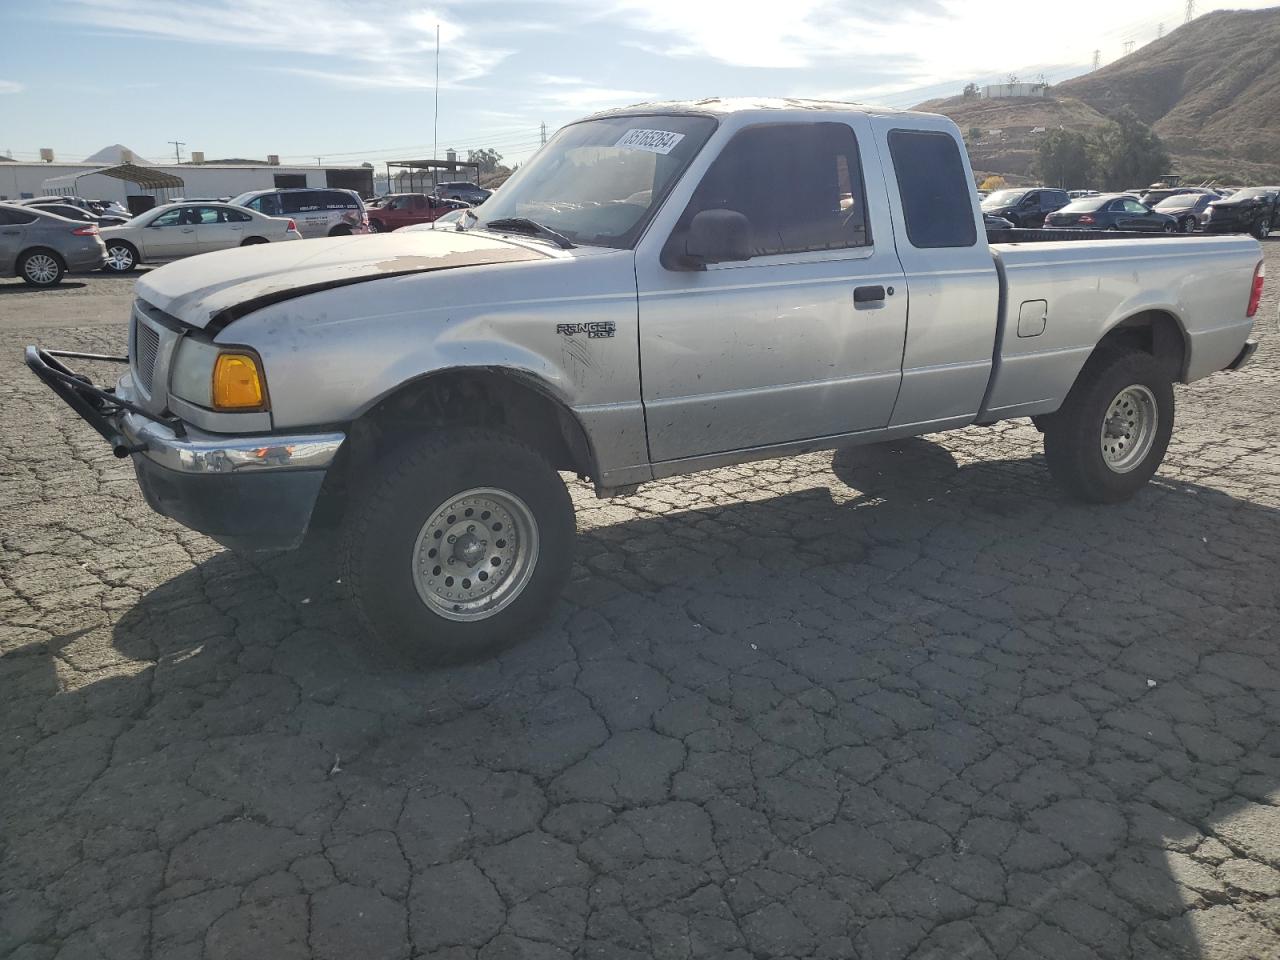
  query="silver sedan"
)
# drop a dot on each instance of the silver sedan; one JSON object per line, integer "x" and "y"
{"x": 178, "y": 230}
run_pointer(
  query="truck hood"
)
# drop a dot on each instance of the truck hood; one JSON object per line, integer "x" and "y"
{"x": 212, "y": 290}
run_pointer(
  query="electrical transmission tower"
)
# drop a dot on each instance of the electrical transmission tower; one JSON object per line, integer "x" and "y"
{"x": 1159, "y": 30}
{"x": 542, "y": 133}
{"x": 1097, "y": 58}
{"x": 1191, "y": 11}
{"x": 1128, "y": 47}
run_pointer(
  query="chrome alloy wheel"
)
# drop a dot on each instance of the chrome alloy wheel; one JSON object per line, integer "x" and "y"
{"x": 475, "y": 554}
{"x": 41, "y": 268}
{"x": 120, "y": 258}
{"x": 1129, "y": 428}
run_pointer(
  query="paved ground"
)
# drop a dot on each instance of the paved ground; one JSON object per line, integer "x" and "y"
{"x": 903, "y": 702}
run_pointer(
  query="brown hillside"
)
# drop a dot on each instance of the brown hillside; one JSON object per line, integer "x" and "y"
{"x": 1210, "y": 89}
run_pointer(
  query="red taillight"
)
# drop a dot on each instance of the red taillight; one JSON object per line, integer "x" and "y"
{"x": 1085, "y": 218}
{"x": 292, "y": 225}
{"x": 88, "y": 230}
{"x": 1255, "y": 295}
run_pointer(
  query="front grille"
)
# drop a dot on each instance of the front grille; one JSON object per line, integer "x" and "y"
{"x": 146, "y": 344}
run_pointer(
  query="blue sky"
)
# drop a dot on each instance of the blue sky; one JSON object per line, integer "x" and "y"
{"x": 351, "y": 80}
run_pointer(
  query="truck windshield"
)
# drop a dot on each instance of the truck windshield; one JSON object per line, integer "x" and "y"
{"x": 600, "y": 181}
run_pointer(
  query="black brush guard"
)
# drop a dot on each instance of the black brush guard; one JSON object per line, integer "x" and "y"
{"x": 95, "y": 405}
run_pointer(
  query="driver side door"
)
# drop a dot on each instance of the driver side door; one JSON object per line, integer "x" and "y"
{"x": 172, "y": 234}
{"x": 804, "y": 339}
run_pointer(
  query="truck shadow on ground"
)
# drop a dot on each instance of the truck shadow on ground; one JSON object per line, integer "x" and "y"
{"x": 932, "y": 711}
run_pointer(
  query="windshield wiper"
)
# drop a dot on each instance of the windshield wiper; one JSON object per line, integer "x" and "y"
{"x": 524, "y": 223}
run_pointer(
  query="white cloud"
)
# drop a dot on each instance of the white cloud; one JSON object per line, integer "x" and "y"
{"x": 10, "y": 86}
{"x": 586, "y": 97}
{"x": 375, "y": 43}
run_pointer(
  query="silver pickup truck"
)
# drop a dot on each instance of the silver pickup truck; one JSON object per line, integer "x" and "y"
{"x": 661, "y": 289}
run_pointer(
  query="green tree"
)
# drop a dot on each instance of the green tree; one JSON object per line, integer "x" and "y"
{"x": 488, "y": 159}
{"x": 1126, "y": 153}
{"x": 970, "y": 90}
{"x": 1064, "y": 159}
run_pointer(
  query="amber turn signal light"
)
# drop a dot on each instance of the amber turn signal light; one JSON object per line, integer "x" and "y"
{"x": 237, "y": 383}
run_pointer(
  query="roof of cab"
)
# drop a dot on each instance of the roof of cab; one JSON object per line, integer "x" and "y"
{"x": 728, "y": 105}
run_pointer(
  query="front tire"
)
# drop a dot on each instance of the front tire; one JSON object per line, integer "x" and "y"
{"x": 41, "y": 268}
{"x": 121, "y": 257}
{"x": 458, "y": 546}
{"x": 1111, "y": 433}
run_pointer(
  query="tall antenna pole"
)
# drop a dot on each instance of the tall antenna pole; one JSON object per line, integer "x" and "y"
{"x": 435, "y": 120}
{"x": 177, "y": 151}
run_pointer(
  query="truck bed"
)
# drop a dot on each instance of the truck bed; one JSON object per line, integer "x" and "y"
{"x": 1090, "y": 282}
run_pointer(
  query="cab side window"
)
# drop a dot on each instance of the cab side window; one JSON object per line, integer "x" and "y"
{"x": 799, "y": 186}
{"x": 937, "y": 195}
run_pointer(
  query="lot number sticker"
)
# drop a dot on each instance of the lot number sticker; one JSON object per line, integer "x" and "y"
{"x": 653, "y": 141}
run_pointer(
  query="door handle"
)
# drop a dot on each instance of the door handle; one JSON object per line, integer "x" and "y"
{"x": 189, "y": 230}
{"x": 868, "y": 294}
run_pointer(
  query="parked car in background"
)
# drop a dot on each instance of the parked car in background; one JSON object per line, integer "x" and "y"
{"x": 1251, "y": 210}
{"x": 446, "y": 221}
{"x": 318, "y": 211}
{"x": 79, "y": 213}
{"x": 178, "y": 230}
{"x": 1189, "y": 209}
{"x": 1025, "y": 206}
{"x": 42, "y": 247}
{"x": 472, "y": 193}
{"x": 403, "y": 209}
{"x": 992, "y": 222}
{"x": 1112, "y": 211}
{"x": 59, "y": 198}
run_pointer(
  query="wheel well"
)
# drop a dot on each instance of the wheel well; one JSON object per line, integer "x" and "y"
{"x": 248, "y": 241}
{"x": 341, "y": 231}
{"x": 1155, "y": 332}
{"x": 460, "y": 398}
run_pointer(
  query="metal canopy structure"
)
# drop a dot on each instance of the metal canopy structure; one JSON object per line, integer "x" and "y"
{"x": 147, "y": 178}
{"x": 417, "y": 172}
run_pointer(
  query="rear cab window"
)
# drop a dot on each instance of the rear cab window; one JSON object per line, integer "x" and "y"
{"x": 936, "y": 193}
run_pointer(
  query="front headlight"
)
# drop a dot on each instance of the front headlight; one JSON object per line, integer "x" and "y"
{"x": 223, "y": 378}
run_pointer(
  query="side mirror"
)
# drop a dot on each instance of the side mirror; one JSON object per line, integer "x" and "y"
{"x": 717, "y": 236}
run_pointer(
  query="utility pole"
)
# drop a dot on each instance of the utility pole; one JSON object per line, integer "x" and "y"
{"x": 1097, "y": 58}
{"x": 543, "y": 133}
{"x": 317, "y": 161}
{"x": 177, "y": 149}
{"x": 1128, "y": 47}
{"x": 1191, "y": 11}
{"x": 435, "y": 119}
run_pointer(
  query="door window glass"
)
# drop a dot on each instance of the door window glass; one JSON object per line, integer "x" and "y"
{"x": 799, "y": 186}
{"x": 169, "y": 218}
{"x": 234, "y": 216}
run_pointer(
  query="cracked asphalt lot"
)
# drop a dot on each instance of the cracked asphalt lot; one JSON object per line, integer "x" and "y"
{"x": 903, "y": 702}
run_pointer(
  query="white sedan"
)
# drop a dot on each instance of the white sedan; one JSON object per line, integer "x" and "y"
{"x": 183, "y": 229}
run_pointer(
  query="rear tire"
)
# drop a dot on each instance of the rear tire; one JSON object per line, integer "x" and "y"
{"x": 458, "y": 546}
{"x": 41, "y": 268}
{"x": 1111, "y": 433}
{"x": 253, "y": 241}
{"x": 1262, "y": 229}
{"x": 340, "y": 232}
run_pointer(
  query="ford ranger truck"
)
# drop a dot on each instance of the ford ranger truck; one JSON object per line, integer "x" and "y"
{"x": 661, "y": 289}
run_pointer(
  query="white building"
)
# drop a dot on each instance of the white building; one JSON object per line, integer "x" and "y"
{"x": 20, "y": 180}
{"x": 993, "y": 90}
